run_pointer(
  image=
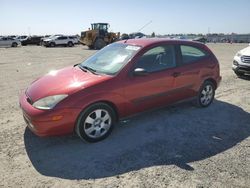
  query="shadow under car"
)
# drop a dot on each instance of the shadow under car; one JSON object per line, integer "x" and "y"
{"x": 173, "y": 135}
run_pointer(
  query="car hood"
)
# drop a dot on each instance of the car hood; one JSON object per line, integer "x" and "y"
{"x": 47, "y": 40}
{"x": 65, "y": 81}
{"x": 246, "y": 51}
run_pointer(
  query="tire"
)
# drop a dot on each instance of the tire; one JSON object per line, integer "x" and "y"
{"x": 206, "y": 94}
{"x": 52, "y": 44}
{"x": 91, "y": 47}
{"x": 96, "y": 122}
{"x": 239, "y": 74}
{"x": 99, "y": 44}
{"x": 70, "y": 44}
{"x": 14, "y": 44}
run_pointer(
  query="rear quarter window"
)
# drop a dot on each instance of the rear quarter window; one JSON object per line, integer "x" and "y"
{"x": 191, "y": 54}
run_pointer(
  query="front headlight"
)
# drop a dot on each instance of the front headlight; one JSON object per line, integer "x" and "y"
{"x": 49, "y": 102}
{"x": 238, "y": 54}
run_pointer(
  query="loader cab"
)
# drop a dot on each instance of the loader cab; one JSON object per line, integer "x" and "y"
{"x": 101, "y": 27}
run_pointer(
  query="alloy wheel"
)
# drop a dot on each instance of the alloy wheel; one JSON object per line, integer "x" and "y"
{"x": 97, "y": 123}
{"x": 207, "y": 94}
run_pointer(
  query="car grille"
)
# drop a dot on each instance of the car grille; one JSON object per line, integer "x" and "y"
{"x": 245, "y": 59}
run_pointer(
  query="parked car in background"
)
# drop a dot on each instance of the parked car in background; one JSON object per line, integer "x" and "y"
{"x": 21, "y": 38}
{"x": 124, "y": 36}
{"x": 241, "y": 62}
{"x": 200, "y": 39}
{"x": 120, "y": 80}
{"x": 59, "y": 41}
{"x": 9, "y": 42}
{"x": 136, "y": 35}
{"x": 35, "y": 40}
{"x": 75, "y": 39}
{"x": 48, "y": 37}
{"x": 12, "y": 36}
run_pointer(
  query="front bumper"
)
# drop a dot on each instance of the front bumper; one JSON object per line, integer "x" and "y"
{"x": 48, "y": 122}
{"x": 46, "y": 43}
{"x": 241, "y": 68}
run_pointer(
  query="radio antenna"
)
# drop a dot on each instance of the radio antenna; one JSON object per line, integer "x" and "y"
{"x": 145, "y": 25}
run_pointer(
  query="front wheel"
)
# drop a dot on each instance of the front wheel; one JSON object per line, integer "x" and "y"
{"x": 96, "y": 122}
{"x": 52, "y": 44}
{"x": 99, "y": 44}
{"x": 14, "y": 44}
{"x": 206, "y": 94}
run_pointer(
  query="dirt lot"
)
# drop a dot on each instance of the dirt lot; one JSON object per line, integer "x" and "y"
{"x": 178, "y": 146}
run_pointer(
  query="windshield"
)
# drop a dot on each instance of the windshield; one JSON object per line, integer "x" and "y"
{"x": 111, "y": 59}
{"x": 53, "y": 37}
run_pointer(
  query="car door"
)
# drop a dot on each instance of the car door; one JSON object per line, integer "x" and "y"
{"x": 4, "y": 42}
{"x": 1, "y": 42}
{"x": 187, "y": 74}
{"x": 58, "y": 40}
{"x": 62, "y": 40}
{"x": 9, "y": 41}
{"x": 151, "y": 82}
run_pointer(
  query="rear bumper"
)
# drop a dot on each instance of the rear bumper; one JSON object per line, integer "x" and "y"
{"x": 48, "y": 122}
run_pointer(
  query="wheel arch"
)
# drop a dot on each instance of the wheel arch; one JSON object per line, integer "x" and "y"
{"x": 213, "y": 81}
{"x": 109, "y": 103}
{"x": 112, "y": 105}
{"x": 14, "y": 44}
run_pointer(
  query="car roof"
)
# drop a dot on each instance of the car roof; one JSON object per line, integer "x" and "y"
{"x": 101, "y": 23}
{"x": 144, "y": 42}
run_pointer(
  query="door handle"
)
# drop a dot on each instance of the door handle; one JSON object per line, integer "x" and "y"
{"x": 176, "y": 74}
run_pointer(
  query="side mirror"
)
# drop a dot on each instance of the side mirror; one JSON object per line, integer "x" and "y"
{"x": 140, "y": 72}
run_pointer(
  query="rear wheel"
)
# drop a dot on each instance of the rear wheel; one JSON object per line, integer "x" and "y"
{"x": 99, "y": 43}
{"x": 206, "y": 94}
{"x": 96, "y": 122}
{"x": 70, "y": 44}
{"x": 14, "y": 44}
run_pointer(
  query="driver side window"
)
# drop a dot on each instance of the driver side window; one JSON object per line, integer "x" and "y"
{"x": 157, "y": 59}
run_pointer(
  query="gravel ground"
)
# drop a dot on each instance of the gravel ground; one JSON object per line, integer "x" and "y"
{"x": 177, "y": 146}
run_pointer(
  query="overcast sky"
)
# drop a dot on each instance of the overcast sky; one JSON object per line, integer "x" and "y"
{"x": 176, "y": 16}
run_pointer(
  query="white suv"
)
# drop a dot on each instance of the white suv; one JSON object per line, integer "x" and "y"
{"x": 241, "y": 63}
{"x": 59, "y": 41}
{"x": 9, "y": 42}
{"x": 75, "y": 39}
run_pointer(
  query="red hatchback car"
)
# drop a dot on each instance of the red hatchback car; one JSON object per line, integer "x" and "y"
{"x": 120, "y": 80}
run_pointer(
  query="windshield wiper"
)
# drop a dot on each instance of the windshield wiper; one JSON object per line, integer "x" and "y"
{"x": 83, "y": 69}
{"x": 88, "y": 68}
